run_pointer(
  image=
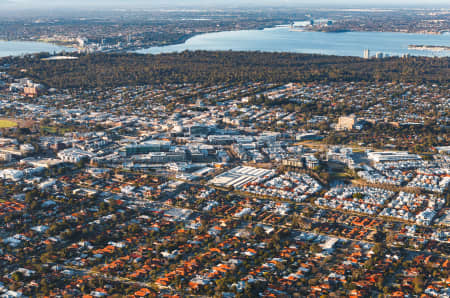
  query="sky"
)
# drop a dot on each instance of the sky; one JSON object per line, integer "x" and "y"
{"x": 111, "y": 4}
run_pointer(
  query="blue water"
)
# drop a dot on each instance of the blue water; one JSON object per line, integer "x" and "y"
{"x": 279, "y": 39}
{"x": 17, "y": 48}
{"x": 282, "y": 39}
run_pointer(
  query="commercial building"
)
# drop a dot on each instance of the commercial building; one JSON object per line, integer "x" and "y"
{"x": 160, "y": 157}
{"x": 366, "y": 54}
{"x": 346, "y": 122}
{"x": 392, "y": 156}
{"x": 31, "y": 91}
{"x": 311, "y": 161}
{"x": 146, "y": 147}
{"x": 242, "y": 175}
{"x": 292, "y": 162}
{"x": 74, "y": 155}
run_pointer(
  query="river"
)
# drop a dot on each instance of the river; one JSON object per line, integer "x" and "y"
{"x": 283, "y": 39}
{"x": 18, "y": 48}
{"x": 278, "y": 39}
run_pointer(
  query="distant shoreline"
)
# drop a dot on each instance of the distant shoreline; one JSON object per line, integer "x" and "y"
{"x": 429, "y": 48}
{"x": 143, "y": 49}
{"x": 189, "y": 36}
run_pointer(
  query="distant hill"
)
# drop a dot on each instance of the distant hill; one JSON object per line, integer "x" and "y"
{"x": 113, "y": 70}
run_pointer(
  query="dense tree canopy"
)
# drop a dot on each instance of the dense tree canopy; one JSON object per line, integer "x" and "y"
{"x": 111, "y": 70}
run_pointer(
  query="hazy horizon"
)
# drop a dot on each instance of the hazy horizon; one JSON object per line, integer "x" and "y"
{"x": 136, "y": 4}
